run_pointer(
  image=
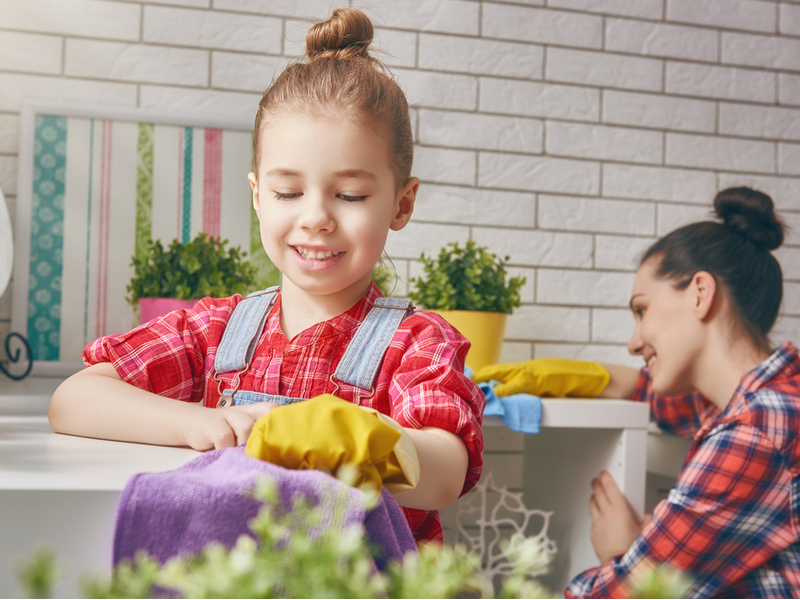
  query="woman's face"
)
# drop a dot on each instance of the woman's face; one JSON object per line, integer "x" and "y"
{"x": 667, "y": 334}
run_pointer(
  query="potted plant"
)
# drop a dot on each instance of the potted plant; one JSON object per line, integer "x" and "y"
{"x": 469, "y": 287}
{"x": 164, "y": 280}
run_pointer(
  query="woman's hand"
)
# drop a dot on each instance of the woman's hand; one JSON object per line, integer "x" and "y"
{"x": 615, "y": 525}
{"x": 213, "y": 428}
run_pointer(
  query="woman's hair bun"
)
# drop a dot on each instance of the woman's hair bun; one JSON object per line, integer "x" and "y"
{"x": 752, "y": 214}
{"x": 347, "y": 33}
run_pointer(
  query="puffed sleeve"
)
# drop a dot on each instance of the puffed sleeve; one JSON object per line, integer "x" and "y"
{"x": 424, "y": 371}
{"x": 167, "y": 355}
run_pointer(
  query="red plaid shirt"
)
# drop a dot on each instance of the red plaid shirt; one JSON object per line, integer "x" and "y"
{"x": 420, "y": 383}
{"x": 732, "y": 520}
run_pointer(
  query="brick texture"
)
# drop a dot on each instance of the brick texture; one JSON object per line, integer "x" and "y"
{"x": 564, "y": 134}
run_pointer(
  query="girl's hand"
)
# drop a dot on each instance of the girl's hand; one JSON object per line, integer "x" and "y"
{"x": 213, "y": 428}
{"x": 615, "y": 525}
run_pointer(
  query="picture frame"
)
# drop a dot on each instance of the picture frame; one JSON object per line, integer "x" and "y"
{"x": 95, "y": 184}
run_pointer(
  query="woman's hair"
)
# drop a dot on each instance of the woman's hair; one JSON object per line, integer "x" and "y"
{"x": 736, "y": 252}
{"x": 339, "y": 74}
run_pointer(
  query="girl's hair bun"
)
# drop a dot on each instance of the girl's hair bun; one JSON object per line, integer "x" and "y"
{"x": 348, "y": 33}
{"x": 752, "y": 214}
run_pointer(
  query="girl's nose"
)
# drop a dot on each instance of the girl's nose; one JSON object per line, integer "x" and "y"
{"x": 316, "y": 215}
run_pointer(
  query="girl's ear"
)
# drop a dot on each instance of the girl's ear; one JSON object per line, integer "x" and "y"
{"x": 405, "y": 204}
{"x": 703, "y": 288}
{"x": 254, "y": 186}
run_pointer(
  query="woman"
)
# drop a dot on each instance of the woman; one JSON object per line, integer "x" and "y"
{"x": 704, "y": 300}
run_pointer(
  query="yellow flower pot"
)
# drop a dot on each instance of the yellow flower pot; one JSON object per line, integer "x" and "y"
{"x": 484, "y": 329}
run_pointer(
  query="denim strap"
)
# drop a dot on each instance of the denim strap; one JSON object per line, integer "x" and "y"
{"x": 243, "y": 331}
{"x": 364, "y": 353}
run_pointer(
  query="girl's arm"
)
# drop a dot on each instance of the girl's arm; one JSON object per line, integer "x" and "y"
{"x": 96, "y": 403}
{"x": 443, "y": 462}
{"x": 622, "y": 383}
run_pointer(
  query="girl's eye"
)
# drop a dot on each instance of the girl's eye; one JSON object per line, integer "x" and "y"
{"x": 286, "y": 195}
{"x": 352, "y": 198}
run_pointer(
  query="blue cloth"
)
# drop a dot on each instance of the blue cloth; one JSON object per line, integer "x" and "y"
{"x": 520, "y": 412}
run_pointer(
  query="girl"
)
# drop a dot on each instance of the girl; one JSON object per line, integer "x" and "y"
{"x": 704, "y": 299}
{"x": 332, "y": 175}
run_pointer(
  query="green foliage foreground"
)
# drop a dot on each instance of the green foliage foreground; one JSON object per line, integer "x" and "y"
{"x": 295, "y": 555}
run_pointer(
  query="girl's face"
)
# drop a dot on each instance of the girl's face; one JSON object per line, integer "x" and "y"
{"x": 326, "y": 197}
{"x": 667, "y": 333}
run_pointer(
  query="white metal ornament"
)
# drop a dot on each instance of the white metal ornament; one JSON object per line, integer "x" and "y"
{"x": 501, "y": 531}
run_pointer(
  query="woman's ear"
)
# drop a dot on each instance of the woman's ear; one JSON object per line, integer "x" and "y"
{"x": 703, "y": 288}
{"x": 405, "y": 204}
{"x": 254, "y": 186}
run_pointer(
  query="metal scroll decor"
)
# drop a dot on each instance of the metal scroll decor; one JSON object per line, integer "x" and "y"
{"x": 14, "y": 356}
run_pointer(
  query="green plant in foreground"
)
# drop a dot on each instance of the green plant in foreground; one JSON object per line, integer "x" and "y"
{"x": 468, "y": 278}
{"x": 38, "y": 574}
{"x": 663, "y": 581}
{"x": 296, "y": 554}
{"x": 201, "y": 267}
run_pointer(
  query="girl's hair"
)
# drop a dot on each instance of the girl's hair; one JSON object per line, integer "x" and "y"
{"x": 339, "y": 74}
{"x": 736, "y": 252}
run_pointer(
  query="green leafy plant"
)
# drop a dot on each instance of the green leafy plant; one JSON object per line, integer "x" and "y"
{"x": 201, "y": 267}
{"x": 39, "y": 574}
{"x": 466, "y": 278}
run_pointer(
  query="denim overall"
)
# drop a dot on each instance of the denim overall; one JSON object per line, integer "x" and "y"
{"x": 358, "y": 367}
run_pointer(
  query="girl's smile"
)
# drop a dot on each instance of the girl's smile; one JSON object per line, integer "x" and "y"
{"x": 319, "y": 258}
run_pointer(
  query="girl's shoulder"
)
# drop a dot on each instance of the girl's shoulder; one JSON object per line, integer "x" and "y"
{"x": 217, "y": 308}
{"x": 431, "y": 324}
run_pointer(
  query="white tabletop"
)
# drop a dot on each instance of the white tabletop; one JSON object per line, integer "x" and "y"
{"x": 31, "y": 396}
{"x": 32, "y": 457}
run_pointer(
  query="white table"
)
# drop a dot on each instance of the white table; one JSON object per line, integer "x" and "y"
{"x": 63, "y": 490}
{"x": 59, "y": 490}
{"x": 578, "y": 439}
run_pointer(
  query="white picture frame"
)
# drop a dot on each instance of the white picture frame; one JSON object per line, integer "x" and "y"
{"x": 98, "y": 155}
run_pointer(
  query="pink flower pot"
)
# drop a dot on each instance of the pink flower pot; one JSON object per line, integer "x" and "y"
{"x": 150, "y": 308}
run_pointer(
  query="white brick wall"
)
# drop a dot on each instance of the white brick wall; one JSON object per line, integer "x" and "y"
{"x": 660, "y": 39}
{"x": 565, "y": 134}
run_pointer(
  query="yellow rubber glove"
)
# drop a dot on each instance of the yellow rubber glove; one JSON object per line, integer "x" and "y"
{"x": 546, "y": 377}
{"x": 327, "y": 432}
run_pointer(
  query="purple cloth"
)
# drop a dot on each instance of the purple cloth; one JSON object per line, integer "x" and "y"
{"x": 179, "y": 512}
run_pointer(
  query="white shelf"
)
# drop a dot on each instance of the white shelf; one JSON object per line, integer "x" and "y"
{"x": 589, "y": 413}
